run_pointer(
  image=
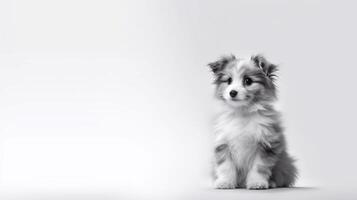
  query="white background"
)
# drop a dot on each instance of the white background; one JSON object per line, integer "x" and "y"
{"x": 111, "y": 99}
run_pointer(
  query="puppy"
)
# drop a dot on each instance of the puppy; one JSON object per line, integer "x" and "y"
{"x": 250, "y": 149}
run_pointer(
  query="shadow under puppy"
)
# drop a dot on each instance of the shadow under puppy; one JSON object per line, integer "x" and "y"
{"x": 250, "y": 149}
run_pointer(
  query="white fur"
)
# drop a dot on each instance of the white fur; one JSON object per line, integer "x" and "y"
{"x": 254, "y": 178}
{"x": 243, "y": 133}
{"x": 240, "y": 131}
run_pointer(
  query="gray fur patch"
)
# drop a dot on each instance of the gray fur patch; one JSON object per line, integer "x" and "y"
{"x": 220, "y": 64}
{"x": 221, "y": 148}
{"x": 268, "y": 68}
{"x": 264, "y": 170}
{"x": 221, "y": 153}
{"x": 284, "y": 173}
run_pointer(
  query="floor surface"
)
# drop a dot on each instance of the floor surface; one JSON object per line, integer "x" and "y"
{"x": 206, "y": 194}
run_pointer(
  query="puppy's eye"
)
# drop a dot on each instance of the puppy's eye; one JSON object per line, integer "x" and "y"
{"x": 248, "y": 81}
{"x": 229, "y": 80}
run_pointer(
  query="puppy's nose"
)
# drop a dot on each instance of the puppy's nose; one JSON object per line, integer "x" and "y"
{"x": 233, "y": 93}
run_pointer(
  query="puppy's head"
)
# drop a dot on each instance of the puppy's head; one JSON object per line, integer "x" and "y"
{"x": 244, "y": 82}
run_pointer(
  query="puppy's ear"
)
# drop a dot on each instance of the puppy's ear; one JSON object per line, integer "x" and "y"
{"x": 268, "y": 68}
{"x": 221, "y": 63}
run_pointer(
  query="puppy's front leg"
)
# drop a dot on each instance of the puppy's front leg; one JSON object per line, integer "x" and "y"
{"x": 226, "y": 174}
{"x": 258, "y": 175}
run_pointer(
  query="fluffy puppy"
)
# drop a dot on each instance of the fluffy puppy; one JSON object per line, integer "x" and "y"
{"x": 250, "y": 149}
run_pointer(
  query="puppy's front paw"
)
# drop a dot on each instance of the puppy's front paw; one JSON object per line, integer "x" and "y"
{"x": 223, "y": 184}
{"x": 258, "y": 185}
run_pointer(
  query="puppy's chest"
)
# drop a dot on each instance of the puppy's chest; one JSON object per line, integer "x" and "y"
{"x": 240, "y": 130}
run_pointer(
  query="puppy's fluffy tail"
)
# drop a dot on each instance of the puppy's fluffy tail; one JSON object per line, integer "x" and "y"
{"x": 284, "y": 173}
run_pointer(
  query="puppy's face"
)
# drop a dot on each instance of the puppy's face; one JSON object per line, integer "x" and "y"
{"x": 244, "y": 82}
